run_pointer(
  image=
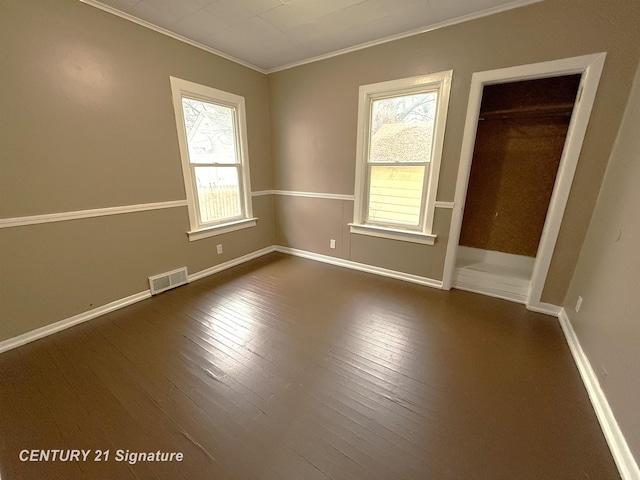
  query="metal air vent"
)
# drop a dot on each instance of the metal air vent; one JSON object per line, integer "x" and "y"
{"x": 165, "y": 281}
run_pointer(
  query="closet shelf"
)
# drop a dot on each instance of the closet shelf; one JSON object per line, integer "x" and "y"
{"x": 562, "y": 109}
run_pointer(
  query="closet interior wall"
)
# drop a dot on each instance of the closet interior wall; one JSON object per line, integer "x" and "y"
{"x": 519, "y": 142}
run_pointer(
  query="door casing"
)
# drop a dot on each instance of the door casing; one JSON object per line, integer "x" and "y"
{"x": 590, "y": 67}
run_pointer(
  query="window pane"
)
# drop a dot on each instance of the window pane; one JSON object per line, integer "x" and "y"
{"x": 402, "y": 128}
{"x": 210, "y": 132}
{"x": 395, "y": 194}
{"x": 218, "y": 193}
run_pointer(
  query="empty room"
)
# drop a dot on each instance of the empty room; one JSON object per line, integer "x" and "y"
{"x": 319, "y": 239}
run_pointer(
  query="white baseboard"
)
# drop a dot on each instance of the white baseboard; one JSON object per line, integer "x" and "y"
{"x": 71, "y": 321}
{"x": 231, "y": 263}
{"x": 469, "y": 256}
{"x": 546, "y": 308}
{"x": 491, "y": 284}
{"x": 340, "y": 262}
{"x": 468, "y": 287}
{"x": 115, "y": 305}
{"x": 627, "y": 465}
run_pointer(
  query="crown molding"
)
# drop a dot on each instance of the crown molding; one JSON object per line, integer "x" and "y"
{"x": 168, "y": 33}
{"x": 409, "y": 33}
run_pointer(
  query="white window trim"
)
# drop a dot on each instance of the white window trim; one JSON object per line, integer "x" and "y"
{"x": 441, "y": 82}
{"x": 219, "y": 229}
{"x": 394, "y": 233}
{"x": 183, "y": 88}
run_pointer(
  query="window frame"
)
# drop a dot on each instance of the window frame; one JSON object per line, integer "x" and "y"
{"x": 439, "y": 82}
{"x": 185, "y": 89}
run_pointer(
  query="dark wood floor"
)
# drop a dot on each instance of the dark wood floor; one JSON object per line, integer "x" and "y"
{"x": 284, "y": 368}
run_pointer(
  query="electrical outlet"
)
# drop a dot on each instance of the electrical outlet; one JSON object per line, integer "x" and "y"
{"x": 332, "y": 243}
{"x": 219, "y": 249}
{"x": 578, "y": 304}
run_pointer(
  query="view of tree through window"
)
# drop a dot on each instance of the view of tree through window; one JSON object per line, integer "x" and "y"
{"x": 400, "y": 147}
{"x": 211, "y": 140}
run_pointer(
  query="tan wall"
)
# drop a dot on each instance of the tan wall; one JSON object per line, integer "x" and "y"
{"x": 607, "y": 277}
{"x": 406, "y": 256}
{"x": 314, "y": 112}
{"x": 87, "y": 122}
{"x": 328, "y": 216}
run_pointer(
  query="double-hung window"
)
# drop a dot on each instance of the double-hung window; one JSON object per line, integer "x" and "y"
{"x": 213, "y": 147}
{"x": 401, "y": 126}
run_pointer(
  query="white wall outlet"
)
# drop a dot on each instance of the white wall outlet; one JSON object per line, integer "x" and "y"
{"x": 219, "y": 249}
{"x": 332, "y": 243}
{"x": 578, "y": 304}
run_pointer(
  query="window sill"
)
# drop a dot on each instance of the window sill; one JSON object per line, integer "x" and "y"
{"x": 394, "y": 234}
{"x": 220, "y": 229}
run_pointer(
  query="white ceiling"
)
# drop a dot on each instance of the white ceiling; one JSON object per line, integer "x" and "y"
{"x": 271, "y": 34}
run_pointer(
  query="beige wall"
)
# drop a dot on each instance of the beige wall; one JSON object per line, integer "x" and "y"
{"x": 328, "y": 215}
{"x": 607, "y": 278}
{"x": 87, "y": 122}
{"x": 314, "y": 115}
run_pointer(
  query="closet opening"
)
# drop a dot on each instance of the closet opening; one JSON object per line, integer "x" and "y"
{"x": 520, "y": 137}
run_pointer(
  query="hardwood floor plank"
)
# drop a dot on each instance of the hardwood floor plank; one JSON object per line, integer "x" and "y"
{"x": 186, "y": 398}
